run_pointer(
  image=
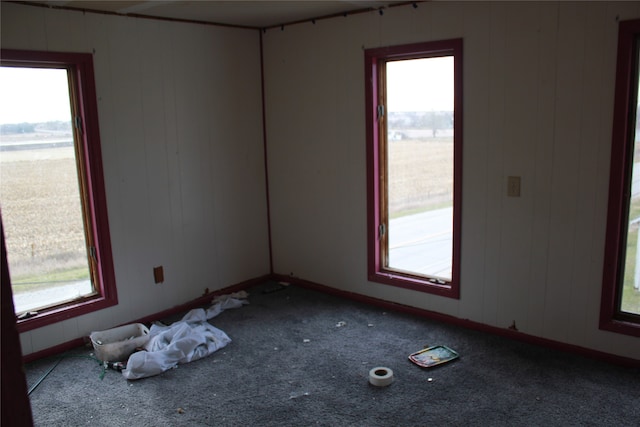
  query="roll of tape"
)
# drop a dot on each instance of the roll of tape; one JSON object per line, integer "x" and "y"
{"x": 380, "y": 376}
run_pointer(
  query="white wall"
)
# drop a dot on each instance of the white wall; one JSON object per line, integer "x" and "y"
{"x": 181, "y": 130}
{"x": 538, "y": 103}
{"x": 180, "y": 121}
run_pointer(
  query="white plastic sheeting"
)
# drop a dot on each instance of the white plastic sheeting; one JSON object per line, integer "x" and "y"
{"x": 189, "y": 339}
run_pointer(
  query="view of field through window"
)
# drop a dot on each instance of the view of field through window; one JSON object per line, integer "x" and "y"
{"x": 630, "y": 300}
{"x": 39, "y": 190}
{"x": 420, "y": 165}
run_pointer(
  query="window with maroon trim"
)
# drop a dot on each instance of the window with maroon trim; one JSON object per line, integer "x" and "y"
{"x": 414, "y": 165}
{"x": 52, "y": 197}
{"x": 620, "y": 305}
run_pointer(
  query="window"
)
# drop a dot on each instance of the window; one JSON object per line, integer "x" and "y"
{"x": 620, "y": 304}
{"x": 52, "y": 198}
{"x": 414, "y": 161}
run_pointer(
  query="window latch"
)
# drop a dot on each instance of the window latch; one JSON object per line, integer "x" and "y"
{"x": 381, "y": 230}
{"x": 92, "y": 253}
{"x": 78, "y": 121}
{"x": 380, "y": 111}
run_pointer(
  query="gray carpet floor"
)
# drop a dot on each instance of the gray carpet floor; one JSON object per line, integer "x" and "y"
{"x": 301, "y": 358}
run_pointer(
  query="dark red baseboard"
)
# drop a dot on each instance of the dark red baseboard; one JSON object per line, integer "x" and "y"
{"x": 198, "y": 302}
{"x": 203, "y": 300}
{"x": 504, "y": 332}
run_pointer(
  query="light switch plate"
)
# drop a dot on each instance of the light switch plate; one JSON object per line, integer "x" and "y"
{"x": 513, "y": 186}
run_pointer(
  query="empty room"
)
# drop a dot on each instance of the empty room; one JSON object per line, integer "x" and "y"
{"x": 341, "y": 186}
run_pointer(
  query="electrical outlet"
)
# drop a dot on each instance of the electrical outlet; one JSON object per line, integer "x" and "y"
{"x": 158, "y": 274}
{"x": 513, "y": 186}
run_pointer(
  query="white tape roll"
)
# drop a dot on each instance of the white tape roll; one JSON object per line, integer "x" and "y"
{"x": 380, "y": 376}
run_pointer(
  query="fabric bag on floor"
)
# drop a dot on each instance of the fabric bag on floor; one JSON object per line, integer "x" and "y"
{"x": 189, "y": 339}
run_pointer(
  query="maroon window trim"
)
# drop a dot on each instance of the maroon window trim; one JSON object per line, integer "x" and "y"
{"x": 81, "y": 65}
{"x": 611, "y": 318}
{"x": 376, "y": 271}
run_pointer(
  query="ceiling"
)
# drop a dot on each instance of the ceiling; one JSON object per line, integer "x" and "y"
{"x": 244, "y": 13}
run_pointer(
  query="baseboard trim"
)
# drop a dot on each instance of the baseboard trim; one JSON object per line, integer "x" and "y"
{"x": 198, "y": 302}
{"x": 203, "y": 300}
{"x": 469, "y": 324}
{"x": 388, "y": 305}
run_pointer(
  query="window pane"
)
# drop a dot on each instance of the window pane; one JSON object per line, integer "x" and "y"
{"x": 39, "y": 191}
{"x": 630, "y": 301}
{"x": 420, "y": 94}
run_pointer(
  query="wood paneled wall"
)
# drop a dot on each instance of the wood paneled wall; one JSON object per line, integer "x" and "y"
{"x": 180, "y": 115}
{"x": 538, "y": 103}
{"x": 181, "y": 130}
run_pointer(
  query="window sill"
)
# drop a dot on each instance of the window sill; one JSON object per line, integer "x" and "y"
{"x": 64, "y": 312}
{"x": 415, "y": 283}
{"x": 621, "y": 327}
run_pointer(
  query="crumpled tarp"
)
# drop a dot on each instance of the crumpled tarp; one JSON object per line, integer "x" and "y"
{"x": 189, "y": 339}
